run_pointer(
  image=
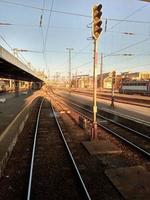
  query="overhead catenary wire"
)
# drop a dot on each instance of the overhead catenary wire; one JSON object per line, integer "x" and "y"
{"x": 44, "y": 42}
{"x": 49, "y": 19}
{"x": 75, "y": 54}
{"x": 45, "y": 39}
{"x": 76, "y": 14}
{"x": 127, "y": 47}
{"x": 138, "y": 66}
{"x": 11, "y": 48}
{"x": 42, "y": 35}
{"x": 6, "y": 42}
{"x": 133, "y": 13}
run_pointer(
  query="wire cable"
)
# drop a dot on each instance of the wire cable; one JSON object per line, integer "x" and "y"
{"x": 49, "y": 19}
{"x": 6, "y": 42}
{"x": 77, "y": 14}
{"x": 124, "y": 20}
{"x": 127, "y": 47}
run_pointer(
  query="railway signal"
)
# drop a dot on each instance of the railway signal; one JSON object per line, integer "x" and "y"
{"x": 113, "y": 77}
{"x": 97, "y": 22}
{"x": 96, "y": 31}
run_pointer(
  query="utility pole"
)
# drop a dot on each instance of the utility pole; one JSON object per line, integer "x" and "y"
{"x": 69, "y": 50}
{"x": 96, "y": 31}
{"x": 76, "y": 78}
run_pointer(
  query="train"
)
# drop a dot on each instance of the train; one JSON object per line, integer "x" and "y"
{"x": 36, "y": 85}
{"x": 141, "y": 87}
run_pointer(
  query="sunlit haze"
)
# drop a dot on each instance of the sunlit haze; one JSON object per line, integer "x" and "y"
{"x": 47, "y": 28}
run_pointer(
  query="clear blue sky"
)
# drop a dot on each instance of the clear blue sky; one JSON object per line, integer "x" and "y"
{"x": 70, "y": 31}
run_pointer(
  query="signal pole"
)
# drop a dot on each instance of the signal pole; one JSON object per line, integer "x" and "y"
{"x": 96, "y": 30}
{"x": 112, "y": 88}
{"x": 70, "y": 49}
{"x": 94, "y": 128}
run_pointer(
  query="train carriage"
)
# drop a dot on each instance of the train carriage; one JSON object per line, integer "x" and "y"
{"x": 135, "y": 87}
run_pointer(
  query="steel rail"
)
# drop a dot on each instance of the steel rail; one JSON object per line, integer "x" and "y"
{"x": 126, "y": 127}
{"x": 117, "y": 100}
{"x": 71, "y": 156}
{"x": 126, "y": 116}
{"x": 117, "y": 123}
{"x": 120, "y": 137}
{"x": 33, "y": 152}
{"x": 122, "y": 115}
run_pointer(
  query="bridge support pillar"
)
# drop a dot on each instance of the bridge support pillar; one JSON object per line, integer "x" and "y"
{"x": 29, "y": 87}
{"x": 16, "y": 88}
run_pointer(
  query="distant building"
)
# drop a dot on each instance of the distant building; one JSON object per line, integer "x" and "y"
{"x": 81, "y": 81}
{"x": 105, "y": 80}
{"x": 101, "y": 79}
{"x": 125, "y": 76}
{"x": 135, "y": 76}
{"x": 107, "y": 83}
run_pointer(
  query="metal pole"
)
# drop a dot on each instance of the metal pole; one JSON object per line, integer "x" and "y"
{"x": 112, "y": 95}
{"x": 76, "y": 79}
{"x": 70, "y": 49}
{"x": 69, "y": 70}
{"x": 16, "y": 82}
{"x": 95, "y": 60}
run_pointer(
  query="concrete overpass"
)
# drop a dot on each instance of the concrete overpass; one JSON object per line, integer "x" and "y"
{"x": 12, "y": 68}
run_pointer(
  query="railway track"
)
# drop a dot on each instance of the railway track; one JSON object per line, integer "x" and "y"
{"x": 53, "y": 175}
{"x": 118, "y": 99}
{"x": 53, "y": 171}
{"x": 138, "y": 140}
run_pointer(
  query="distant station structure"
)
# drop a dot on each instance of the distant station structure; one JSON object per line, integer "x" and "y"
{"x": 12, "y": 68}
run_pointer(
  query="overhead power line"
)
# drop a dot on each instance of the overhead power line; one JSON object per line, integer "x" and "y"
{"x": 4, "y": 24}
{"x": 129, "y": 21}
{"x": 42, "y": 34}
{"x": 45, "y": 9}
{"x": 49, "y": 19}
{"x": 20, "y": 4}
{"x": 124, "y": 20}
{"x": 6, "y": 42}
{"x": 127, "y": 47}
{"x": 84, "y": 64}
{"x": 131, "y": 54}
{"x": 79, "y": 14}
{"x": 10, "y": 47}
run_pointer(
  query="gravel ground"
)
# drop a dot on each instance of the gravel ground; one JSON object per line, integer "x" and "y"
{"x": 91, "y": 167}
{"x": 13, "y": 184}
{"x": 96, "y": 165}
{"x": 53, "y": 175}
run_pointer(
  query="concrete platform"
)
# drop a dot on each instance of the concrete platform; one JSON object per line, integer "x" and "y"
{"x": 12, "y": 106}
{"x": 100, "y": 147}
{"x": 131, "y": 182}
{"x": 13, "y": 116}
